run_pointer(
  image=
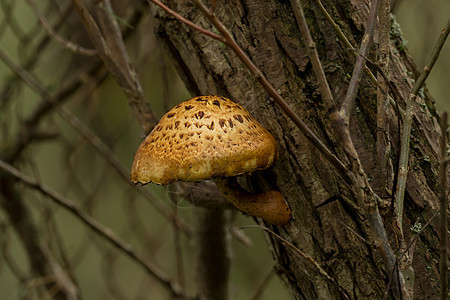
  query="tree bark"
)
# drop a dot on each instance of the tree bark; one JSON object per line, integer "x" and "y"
{"x": 335, "y": 235}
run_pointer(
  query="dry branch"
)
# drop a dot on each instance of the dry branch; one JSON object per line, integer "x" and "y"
{"x": 111, "y": 49}
{"x": 90, "y": 136}
{"x": 100, "y": 229}
{"x": 407, "y": 123}
{"x": 360, "y": 185}
{"x": 77, "y": 49}
{"x": 360, "y": 61}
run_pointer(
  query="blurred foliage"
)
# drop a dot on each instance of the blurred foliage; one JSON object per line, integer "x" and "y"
{"x": 70, "y": 165}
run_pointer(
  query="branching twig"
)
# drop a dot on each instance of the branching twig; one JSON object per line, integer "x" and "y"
{"x": 66, "y": 43}
{"x": 87, "y": 133}
{"x": 229, "y": 40}
{"x": 342, "y": 37}
{"x": 360, "y": 185}
{"x": 113, "y": 54}
{"x": 331, "y": 158}
{"x": 101, "y": 230}
{"x": 407, "y": 121}
{"x": 405, "y": 252}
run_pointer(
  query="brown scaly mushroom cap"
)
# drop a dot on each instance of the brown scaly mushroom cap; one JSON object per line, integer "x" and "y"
{"x": 203, "y": 138}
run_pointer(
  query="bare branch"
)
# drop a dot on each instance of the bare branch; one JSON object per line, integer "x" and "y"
{"x": 42, "y": 263}
{"x": 90, "y": 136}
{"x": 432, "y": 60}
{"x": 406, "y": 251}
{"x": 101, "y": 230}
{"x": 343, "y": 38}
{"x": 189, "y": 23}
{"x": 114, "y": 56}
{"x": 309, "y": 134}
{"x": 359, "y": 182}
{"x": 77, "y": 49}
{"x": 313, "y": 55}
{"x": 260, "y": 290}
{"x": 305, "y": 256}
{"x": 360, "y": 61}
{"x": 407, "y": 123}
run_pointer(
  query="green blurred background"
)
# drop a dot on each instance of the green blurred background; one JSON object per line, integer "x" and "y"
{"x": 68, "y": 164}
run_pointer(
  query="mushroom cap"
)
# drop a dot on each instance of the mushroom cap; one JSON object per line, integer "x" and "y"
{"x": 203, "y": 138}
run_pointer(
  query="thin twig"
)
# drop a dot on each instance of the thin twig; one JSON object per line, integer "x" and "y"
{"x": 101, "y": 230}
{"x": 360, "y": 61}
{"x": 342, "y": 37}
{"x": 324, "y": 88}
{"x": 113, "y": 53}
{"x": 75, "y": 48}
{"x": 260, "y": 290}
{"x": 405, "y": 252}
{"x": 443, "y": 264}
{"x": 350, "y": 47}
{"x": 360, "y": 185}
{"x": 189, "y": 23}
{"x": 90, "y": 136}
{"x": 309, "y": 134}
{"x": 407, "y": 121}
{"x": 305, "y": 256}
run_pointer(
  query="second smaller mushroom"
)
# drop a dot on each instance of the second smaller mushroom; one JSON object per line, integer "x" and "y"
{"x": 211, "y": 137}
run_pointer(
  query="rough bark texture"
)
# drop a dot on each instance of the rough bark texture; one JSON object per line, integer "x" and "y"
{"x": 335, "y": 235}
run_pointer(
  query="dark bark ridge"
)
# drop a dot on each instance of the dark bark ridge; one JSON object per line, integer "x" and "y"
{"x": 268, "y": 33}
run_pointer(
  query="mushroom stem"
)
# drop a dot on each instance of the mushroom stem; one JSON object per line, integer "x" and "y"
{"x": 269, "y": 206}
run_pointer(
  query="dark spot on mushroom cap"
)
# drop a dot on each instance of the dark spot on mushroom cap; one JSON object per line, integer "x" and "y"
{"x": 239, "y": 118}
{"x": 211, "y": 126}
{"x": 222, "y": 122}
{"x": 216, "y": 102}
{"x": 199, "y": 115}
{"x": 176, "y": 124}
{"x": 171, "y": 115}
{"x": 230, "y": 122}
{"x": 188, "y": 107}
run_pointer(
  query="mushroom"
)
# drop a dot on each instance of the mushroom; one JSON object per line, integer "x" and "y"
{"x": 212, "y": 137}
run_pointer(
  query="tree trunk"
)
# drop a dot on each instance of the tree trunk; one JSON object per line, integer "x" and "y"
{"x": 335, "y": 235}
